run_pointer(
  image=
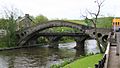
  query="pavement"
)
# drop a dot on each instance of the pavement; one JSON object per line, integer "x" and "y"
{"x": 114, "y": 55}
{"x": 114, "y": 60}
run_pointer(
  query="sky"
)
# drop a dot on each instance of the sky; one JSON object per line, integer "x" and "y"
{"x": 62, "y": 9}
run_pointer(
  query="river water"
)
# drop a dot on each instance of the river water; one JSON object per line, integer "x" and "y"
{"x": 42, "y": 57}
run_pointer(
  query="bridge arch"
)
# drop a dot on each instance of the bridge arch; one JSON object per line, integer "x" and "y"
{"x": 28, "y": 33}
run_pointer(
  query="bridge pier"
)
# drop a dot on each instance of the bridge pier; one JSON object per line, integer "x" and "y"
{"x": 32, "y": 42}
{"x": 53, "y": 41}
{"x": 80, "y": 46}
{"x": 53, "y": 44}
{"x": 80, "y": 42}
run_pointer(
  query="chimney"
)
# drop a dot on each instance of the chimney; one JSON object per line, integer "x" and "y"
{"x": 26, "y": 15}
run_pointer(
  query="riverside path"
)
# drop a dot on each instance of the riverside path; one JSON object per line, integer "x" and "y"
{"x": 114, "y": 54}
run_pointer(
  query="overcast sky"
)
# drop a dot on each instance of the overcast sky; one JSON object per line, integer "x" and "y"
{"x": 70, "y": 9}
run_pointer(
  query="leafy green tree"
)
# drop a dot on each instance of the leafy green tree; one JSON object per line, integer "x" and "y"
{"x": 88, "y": 22}
{"x": 40, "y": 19}
{"x": 9, "y": 25}
{"x": 3, "y": 23}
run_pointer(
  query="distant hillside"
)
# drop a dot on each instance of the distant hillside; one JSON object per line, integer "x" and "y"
{"x": 103, "y": 22}
{"x": 78, "y": 21}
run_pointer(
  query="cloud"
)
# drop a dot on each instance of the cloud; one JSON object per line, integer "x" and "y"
{"x": 62, "y": 8}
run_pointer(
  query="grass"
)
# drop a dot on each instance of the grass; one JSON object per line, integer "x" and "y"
{"x": 104, "y": 22}
{"x": 87, "y": 62}
{"x": 77, "y": 21}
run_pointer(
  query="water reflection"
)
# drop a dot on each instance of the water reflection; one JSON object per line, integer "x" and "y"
{"x": 33, "y": 57}
{"x": 38, "y": 57}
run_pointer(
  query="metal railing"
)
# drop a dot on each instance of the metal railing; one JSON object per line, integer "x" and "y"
{"x": 103, "y": 63}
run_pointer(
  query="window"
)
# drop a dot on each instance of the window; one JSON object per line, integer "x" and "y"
{"x": 116, "y": 23}
{"x": 113, "y": 23}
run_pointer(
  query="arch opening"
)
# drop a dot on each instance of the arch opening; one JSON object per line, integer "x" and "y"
{"x": 62, "y": 30}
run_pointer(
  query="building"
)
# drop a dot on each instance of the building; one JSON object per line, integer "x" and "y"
{"x": 116, "y": 24}
{"x": 23, "y": 22}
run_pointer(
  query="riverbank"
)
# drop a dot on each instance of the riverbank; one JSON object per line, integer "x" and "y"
{"x": 17, "y": 47}
{"x": 87, "y": 62}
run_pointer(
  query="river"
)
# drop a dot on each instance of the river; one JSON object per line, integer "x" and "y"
{"x": 42, "y": 57}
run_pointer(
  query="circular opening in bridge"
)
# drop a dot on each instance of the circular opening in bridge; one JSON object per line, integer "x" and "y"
{"x": 104, "y": 38}
{"x": 22, "y": 34}
{"x": 93, "y": 33}
{"x": 25, "y": 32}
{"x": 99, "y": 34}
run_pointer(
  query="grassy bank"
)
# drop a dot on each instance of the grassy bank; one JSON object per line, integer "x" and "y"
{"x": 87, "y": 62}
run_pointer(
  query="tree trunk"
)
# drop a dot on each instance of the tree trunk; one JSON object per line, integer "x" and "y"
{"x": 98, "y": 42}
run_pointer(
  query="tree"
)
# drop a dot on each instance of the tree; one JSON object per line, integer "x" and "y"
{"x": 10, "y": 15}
{"x": 3, "y": 23}
{"x": 41, "y": 19}
{"x": 94, "y": 19}
{"x": 88, "y": 22}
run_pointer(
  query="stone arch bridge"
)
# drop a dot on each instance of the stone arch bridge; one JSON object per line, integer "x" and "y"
{"x": 27, "y": 34}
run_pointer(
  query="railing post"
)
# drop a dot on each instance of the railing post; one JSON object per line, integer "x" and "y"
{"x": 96, "y": 65}
{"x": 104, "y": 58}
{"x": 102, "y": 63}
{"x": 99, "y": 64}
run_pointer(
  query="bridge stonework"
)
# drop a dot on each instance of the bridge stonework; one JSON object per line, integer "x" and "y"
{"x": 27, "y": 33}
{"x": 32, "y": 32}
{"x": 103, "y": 31}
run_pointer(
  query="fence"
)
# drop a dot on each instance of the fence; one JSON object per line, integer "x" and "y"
{"x": 101, "y": 62}
{"x": 104, "y": 61}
